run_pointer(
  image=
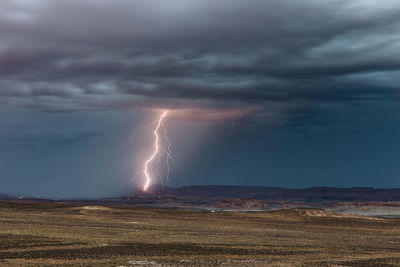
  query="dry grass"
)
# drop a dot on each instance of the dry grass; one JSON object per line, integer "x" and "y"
{"x": 48, "y": 234}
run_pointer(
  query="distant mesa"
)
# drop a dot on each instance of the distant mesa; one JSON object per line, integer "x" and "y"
{"x": 244, "y": 195}
{"x": 314, "y": 194}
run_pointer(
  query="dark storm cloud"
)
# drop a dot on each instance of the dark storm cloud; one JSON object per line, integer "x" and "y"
{"x": 284, "y": 55}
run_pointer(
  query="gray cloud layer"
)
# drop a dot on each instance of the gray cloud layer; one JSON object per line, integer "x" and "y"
{"x": 277, "y": 55}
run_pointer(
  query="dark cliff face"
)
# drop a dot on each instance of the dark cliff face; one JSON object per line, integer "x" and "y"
{"x": 272, "y": 193}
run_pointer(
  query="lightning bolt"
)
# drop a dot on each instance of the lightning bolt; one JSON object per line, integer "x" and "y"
{"x": 147, "y": 164}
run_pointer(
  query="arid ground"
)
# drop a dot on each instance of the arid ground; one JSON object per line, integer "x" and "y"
{"x": 47, "y": 234}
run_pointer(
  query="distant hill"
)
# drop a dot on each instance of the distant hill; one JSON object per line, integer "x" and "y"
{"x": 215, "y": 193}
{"x": 4, "y": 196}
{"x": 314, "y": 194}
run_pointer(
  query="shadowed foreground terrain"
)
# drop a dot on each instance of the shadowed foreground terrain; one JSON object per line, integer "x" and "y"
{"x": 75, "y": 234}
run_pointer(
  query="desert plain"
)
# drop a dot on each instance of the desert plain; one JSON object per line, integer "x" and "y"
{"x": 79, "y": 234}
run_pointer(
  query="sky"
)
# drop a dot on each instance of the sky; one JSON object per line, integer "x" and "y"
{"x": 265, "y": 92}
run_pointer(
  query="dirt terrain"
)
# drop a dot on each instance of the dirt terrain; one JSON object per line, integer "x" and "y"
{"x": 50, "y": 234}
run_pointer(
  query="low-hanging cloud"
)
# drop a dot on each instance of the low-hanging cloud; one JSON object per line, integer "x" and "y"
{"x": 276, "y": 56}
